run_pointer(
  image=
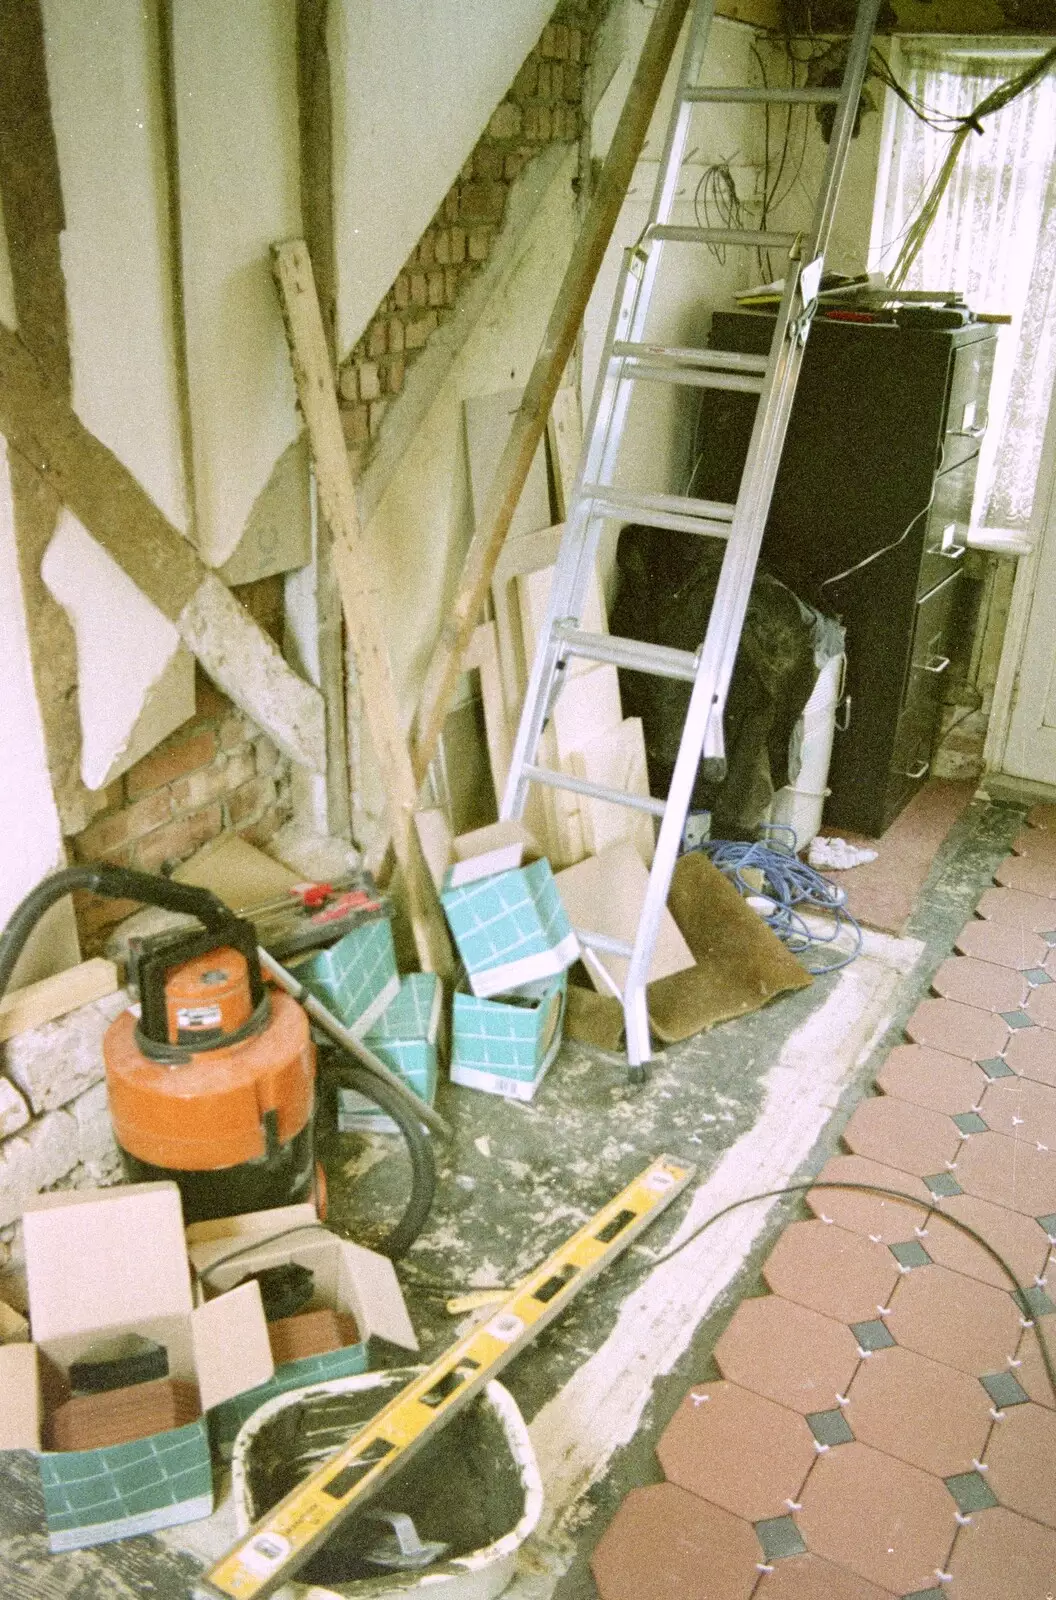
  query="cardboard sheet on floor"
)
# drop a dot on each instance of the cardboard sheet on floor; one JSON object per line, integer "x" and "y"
{"x": 604, "y": 894}
{"x": 740, "y": 966}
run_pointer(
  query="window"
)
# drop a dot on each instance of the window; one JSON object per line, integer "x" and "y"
{"x": 994, "y": 237}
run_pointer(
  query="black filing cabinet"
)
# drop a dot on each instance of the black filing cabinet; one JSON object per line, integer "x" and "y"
{"x": 879, "y": 462}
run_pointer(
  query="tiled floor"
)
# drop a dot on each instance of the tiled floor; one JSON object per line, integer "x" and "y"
{"x": 885, "y": 1427}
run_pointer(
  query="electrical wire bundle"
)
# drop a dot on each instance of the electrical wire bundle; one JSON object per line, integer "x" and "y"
{"x": 785, "y": 891}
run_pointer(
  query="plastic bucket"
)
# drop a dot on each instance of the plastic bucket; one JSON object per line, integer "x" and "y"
{"x": 799, "y": 804}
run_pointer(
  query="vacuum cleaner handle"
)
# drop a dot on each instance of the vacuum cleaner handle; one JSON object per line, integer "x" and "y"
{"x": 113, "y": 883}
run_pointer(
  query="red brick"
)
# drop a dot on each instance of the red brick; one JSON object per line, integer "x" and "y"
{"x": 545, "y": 84}
{"x": 451, "y": 281}
{"x": 396, "y": 336}
{"x": 346, "y": 383}
{"x": 267, "y": 756}
{"x": 377, "y": 340}
{"x": 451, "y": 204}
{"x": 458, "y": 246}
{"x": 419, "y": 289}
{"x": 213, "y": 782}
{"x": 234, "y": 731}
{"x": 179, "y": 839}
{"x": 513, "y": 164}
{"x": 505, "y": 121}
{"x": 525, "y": 81}
{"x": 248, "y": 801}
{"x": 436, "y": 287}
{"x": 401, "y": 291}
{"x": 394, "y": 374}
{"x": 369, "y": 387}
{"x": 481, "y": 202}
{"x": 111, "y": 834}
{"x": 426, "y": 252}
{"x": 171, "y": 761}
{"x": 420, "y": 329}
{"x": 487, "y": 163}
{"x": 575, "y": 44}
{"x": 267, "y": 826}
{"x": 480, "y": 243}
{"x": 354, "y": 420}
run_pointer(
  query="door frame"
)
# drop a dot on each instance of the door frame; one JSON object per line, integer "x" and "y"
{"x": 1043, "y": 533}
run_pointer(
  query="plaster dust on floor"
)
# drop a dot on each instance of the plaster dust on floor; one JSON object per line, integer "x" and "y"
{"x": 577, "y": 1430}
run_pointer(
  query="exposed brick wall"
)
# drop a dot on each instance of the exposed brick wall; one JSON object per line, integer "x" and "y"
{"x": 216, "y": 774}
{"x": 542, "y": 106}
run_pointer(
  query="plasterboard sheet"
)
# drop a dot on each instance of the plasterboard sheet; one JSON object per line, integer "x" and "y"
{"x": 605, "y": 894}
{"x": 616, "y": 760}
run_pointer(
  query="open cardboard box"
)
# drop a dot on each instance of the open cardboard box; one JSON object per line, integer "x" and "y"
{"x": 99, "y": 1263}
{"x": 501, "y": 904}
{"x": 348, "y": 1278}
{"x": 506, "y": 1044}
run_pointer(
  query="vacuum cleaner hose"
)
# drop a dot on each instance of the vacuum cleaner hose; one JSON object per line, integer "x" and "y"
{"x": 341, "y": 1072}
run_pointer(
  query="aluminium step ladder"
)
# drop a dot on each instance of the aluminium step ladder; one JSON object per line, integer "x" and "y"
{"x": 596, "y": 499}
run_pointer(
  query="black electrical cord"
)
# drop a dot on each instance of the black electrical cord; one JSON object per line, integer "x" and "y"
{"x": 434, "y": 1286}
{"x": 345, "y": 1073}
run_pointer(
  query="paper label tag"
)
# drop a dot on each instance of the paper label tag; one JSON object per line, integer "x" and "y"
{"x": 198, "y": 1017}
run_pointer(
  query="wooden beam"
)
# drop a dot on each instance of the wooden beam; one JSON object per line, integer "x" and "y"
{"x": 446, "y": 663}
{"x": 360, "y": 596}
{"x": 42, "y": 428}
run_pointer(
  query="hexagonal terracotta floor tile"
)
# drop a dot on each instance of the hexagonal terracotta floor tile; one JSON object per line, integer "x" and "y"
{"x": 980, "y": 983}
{"x": 665, "y": 1544}
{"x": 1018, "y": 1238}
{"x": 1031, "y": 1052}
{"x": 1014, "y": 909}
{"x": 1031, "y": 1370}
{"x": 899, "y": 1134}
{"x": 885, "y": 1520}
{"x": 955, "y": 1320}
{"x": 831, "y": 1270}
{"x": 931, "y": 1078}
{"x": 1041, "y": 1005}
{"x": 1001, "y": 1555}
{"x": 737, "y": 1449}
{"x": 809, "y": 1577}
{"x": 957, "y": 1029}
{"x": 1037, "y": 844}
{"x": 875, "y": 1216}
{"x": 921, "y": 1411}
{"x": 1030, "y": 876}
{"x": 1042, "y": 816}
{"x": 1015, "y": 947}
{"x": 788, "y": 1353}
{"x": 1021, "y": 1456}
{"x": 1010, "y": 1172}
{"x": 1022, "y": 1109}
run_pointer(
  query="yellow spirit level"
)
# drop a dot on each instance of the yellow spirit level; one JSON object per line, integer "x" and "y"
{"x": 270, "y": 1553}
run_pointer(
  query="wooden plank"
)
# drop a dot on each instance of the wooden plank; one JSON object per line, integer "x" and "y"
{"x": 587, "y": 255}
{"x": 41, "y": 425}
{"x": 37, "y": 1003}
{"x": 526, "y": 552}
{"x": 564, "y": 436}
{"x": 483, "y": 655}
{"x": 360, "y": 597}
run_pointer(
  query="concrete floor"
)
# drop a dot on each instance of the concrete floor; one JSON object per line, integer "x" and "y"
{"x": 755, "y": 1104}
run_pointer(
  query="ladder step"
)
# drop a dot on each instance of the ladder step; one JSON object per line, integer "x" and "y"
{"x": 596, "y": 791}
{"x": 659, "y": 660}
{"x": 757, "y": 94}
{"x": 660, "y": 365}
{"x": 751, "y": 238}
{"x": 692, "y": 356}
{"x": 711, "y": 518}
{"x": 605, "y": 943}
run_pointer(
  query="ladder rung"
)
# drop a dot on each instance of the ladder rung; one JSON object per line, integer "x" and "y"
{"x": 691, "y": 356}
{"x": 757, "y": 94}
{"x": 711, "y": 518}
{"x": 751, "y": 238}
{"x": 596, "y": 791}
{"x": 636, "y": 655}
{"x": 605, "y": 943}
{"x": 690, "y": 377}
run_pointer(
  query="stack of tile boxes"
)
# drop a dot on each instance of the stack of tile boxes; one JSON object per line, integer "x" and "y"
{"x": 516, "y": 943}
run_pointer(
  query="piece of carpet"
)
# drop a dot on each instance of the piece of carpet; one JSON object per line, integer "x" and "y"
{"x": 740, "y": 965}
{"x": 882, "y": 893}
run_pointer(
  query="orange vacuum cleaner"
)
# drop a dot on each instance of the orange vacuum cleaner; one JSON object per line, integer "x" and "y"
{"x": 213, "y": 1083}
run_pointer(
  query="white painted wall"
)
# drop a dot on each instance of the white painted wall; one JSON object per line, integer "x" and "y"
{"x": 124, "y": 646}
{"x": 421, "y": 526}
{"x": 102, "y": 62}
{"x": 236, "y": 115}
{"x": 414, "y": 84}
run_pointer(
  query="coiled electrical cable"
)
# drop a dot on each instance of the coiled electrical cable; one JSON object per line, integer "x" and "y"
{"x": 785, "y": 891}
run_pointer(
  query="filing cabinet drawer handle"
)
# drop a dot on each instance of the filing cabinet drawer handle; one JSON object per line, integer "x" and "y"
{"x": 918, "y": 771}
{"x": 842, "y": 719}
{"x": 936, "y": 664}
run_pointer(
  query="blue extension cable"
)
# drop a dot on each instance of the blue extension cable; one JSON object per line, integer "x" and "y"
{"x": 792, "y": 887}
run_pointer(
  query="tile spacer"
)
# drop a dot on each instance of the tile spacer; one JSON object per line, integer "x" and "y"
{"x": 822, "y": 1449}
{"x": 885, "y": 1311}
{"x": 794, "y": 1505}
{"x": 876, "y": 1238}
{"x": 1040, "y": 1282}
{"x": 921, "y": 1233}
{"x": 843, "y": 1399}
{"x": 951, "y": 1166}
{"x": 1026, "y": 1322}
{"x": 761, "y": 1566}
{"x": 943, "y": 1577}
{"x": 962, "y": 1521}
{"x": 980, "y": 1466}
{"x": 998, "y": 1416}
{"x": 823, "y": 1218}
{"x": 699, "y": 1399}
{"x": 865, "y": 1354}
